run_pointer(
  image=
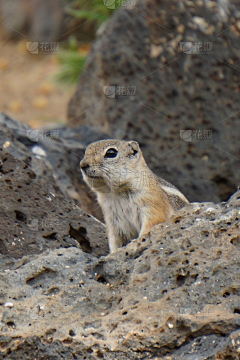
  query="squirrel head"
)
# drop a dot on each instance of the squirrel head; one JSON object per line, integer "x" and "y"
{"x": 112, "y": 165}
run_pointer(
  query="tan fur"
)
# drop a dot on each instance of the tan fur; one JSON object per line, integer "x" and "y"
{"x": 132, "y": 197}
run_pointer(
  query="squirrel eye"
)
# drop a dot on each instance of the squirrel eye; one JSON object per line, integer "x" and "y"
{"x": 111, "y": 153}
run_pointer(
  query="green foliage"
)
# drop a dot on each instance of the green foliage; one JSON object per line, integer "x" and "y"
{"x": 95, "y": 13}
{"x": 91, "y": 10}
{"x": 72, "y": 63}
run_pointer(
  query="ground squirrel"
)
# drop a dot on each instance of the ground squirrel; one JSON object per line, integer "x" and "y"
{"x": 132, "y": 197}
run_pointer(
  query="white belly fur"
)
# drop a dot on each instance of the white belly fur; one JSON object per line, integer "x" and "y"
{"x": 124, "y": 215}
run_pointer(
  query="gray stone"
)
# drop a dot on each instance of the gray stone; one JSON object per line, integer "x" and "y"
{"x": 62, "y": 149}
{"x": 141, "y": 46}
{"x": 173, "y": 295}
{"x": 41, "y": 21}
{"x": 36, "y": 214}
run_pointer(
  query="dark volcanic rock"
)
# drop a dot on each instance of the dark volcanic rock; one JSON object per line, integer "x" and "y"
{"x": 62, "y": 149}
{"x": 141, "y": 47}
{"x": 173, "y": 295}
{"x": 36, "y": 214}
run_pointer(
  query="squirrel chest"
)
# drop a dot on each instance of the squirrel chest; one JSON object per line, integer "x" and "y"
{"x": 123, "y": 213}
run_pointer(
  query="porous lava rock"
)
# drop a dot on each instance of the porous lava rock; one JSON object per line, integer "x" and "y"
{"x": 143, "y": 46}
{"x": 36, "y": 213}
{"x": 172, "y": 295}
{"x": 62, "y": 149}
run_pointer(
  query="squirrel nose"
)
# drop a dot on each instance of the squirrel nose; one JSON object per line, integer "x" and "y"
{"x": 84, "y": 165}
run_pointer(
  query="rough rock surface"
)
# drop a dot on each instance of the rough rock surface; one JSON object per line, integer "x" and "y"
{"x": 62, "y": 149}
{"x": 140, "y": 46}
{"x": 36, "y": 213}
{"x": 173, "y": 295}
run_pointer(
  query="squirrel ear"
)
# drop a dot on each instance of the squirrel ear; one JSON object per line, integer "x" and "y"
{"x": 134, "y": 147}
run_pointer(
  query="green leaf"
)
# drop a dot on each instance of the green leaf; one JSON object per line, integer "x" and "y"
{"x": 72, "y": 65}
